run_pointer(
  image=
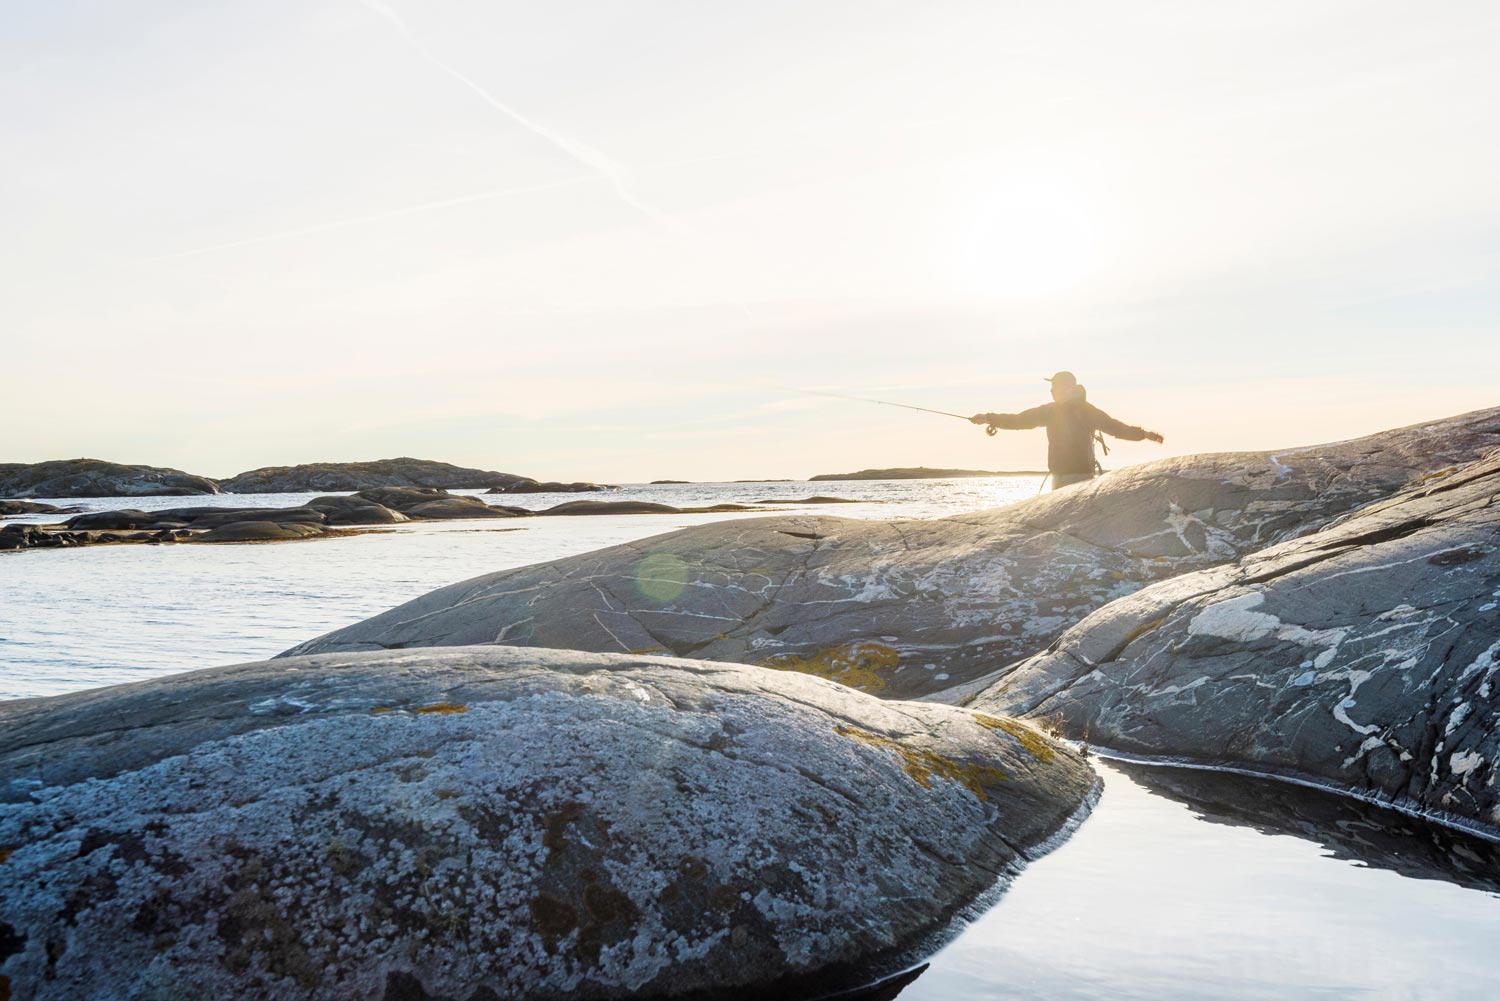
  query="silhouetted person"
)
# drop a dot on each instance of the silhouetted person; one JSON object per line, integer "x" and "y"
{"x": 1071, "y": 422}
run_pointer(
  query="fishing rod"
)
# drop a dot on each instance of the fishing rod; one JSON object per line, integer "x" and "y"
{"x": 884, "y": 403}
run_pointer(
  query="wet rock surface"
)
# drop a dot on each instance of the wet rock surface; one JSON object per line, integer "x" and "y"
{"x": 491, "y": 822}
{"x": 97, "y": 478}
{"x": 1364, "y": 656}
{"x": 912, "y": 607}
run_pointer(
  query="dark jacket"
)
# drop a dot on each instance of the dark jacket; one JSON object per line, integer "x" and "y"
{"x": 1070, "y": 432}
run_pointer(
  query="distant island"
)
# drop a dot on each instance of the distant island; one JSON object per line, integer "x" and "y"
{"x": 98, "y": 478}
{"x": 922, "y": 473}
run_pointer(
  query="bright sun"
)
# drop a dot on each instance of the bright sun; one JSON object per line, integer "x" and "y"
{"x": 1026, "y": 238}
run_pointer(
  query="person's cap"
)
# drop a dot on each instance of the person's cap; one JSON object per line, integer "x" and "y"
{"x": 1066, "y": 378}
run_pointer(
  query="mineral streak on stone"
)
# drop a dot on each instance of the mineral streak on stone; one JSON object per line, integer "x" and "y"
{"x": 491, "y": 822}
{"x": 1364, "y": 656}
{"x": 97, "y": 478}
{"x": 952, "y": 599}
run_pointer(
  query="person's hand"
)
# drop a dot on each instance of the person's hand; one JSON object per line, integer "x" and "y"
{"x": 1153, "y": 436}
{"x": 979, "y": 419}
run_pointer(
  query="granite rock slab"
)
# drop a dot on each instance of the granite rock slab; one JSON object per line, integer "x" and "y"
{"x": 491, "y": 822}
{"x": 906, "y": 608}
{"x": 1364, "y": 657}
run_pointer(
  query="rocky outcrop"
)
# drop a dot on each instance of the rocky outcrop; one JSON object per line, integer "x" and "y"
{"x": 14, "y": 507}
{"x": 322, "y": 516}
{"x": 922, "y": 473}
{"x": 908, "y": 608}
{"x": 548, "y": 487}
{"x": 1363, "y": 657}
{"x": 492, "y": 823}
{"x": 97, "y": 478}
{"x": 340, "y": 476}
{"x": 638, "y": 507}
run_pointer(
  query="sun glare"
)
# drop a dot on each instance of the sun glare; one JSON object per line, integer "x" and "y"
{"x": 1024, "y": 239}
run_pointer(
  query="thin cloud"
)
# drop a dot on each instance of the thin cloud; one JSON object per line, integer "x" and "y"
{"x": 603, "y": 165}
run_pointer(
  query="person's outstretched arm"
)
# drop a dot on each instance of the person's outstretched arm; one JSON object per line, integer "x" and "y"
{"x": 1033, "y": 418}
{"x": 1119, "y": 429}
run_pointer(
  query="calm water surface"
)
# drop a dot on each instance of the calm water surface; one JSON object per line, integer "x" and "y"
{"x": 1179, "y": 886}
{"x": 80, "y": 618}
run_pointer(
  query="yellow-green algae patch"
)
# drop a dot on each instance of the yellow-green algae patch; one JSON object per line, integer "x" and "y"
{"x": 858, "y": 665}
{"x": 437, "y": 708}
{"x": 1032, "y": 742}
{"x": 923, "y": 765}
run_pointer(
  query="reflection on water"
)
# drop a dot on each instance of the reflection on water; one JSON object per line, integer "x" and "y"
{"x": 1170, "y": 899}
{"x": 1346, "y": 828}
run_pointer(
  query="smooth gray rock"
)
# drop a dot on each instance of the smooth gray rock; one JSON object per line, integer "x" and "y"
{"x": 1363, "y": 657}
{"x": 400, "y": 472}
{"x": 355, "y": 510}
{"x": 128, "y": 518}
{"x": 548, "y": 487}
{"x": 97, "y": 478}
{"x": 910, "y": 607}
{"x": 531, "y": 824}
{"x": 13, "y": 507}
{"x": 260, "y": 531}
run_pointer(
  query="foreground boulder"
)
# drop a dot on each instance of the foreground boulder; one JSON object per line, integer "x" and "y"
{"x": 907, "y": 608}
{"x": 337, "y": 476}
{"x": 1365, "y": 657}
{"x": 97, "y": 478}
{"x": 486, "y": 823}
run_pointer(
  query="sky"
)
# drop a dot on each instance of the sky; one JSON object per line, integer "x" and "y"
{"x": 613, "y": 241}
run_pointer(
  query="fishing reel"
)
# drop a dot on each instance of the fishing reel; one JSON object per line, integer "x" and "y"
{"x": 990, "y": 430}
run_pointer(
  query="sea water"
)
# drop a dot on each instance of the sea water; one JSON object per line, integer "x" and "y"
{"x": 102, "y": 615}
{"x": 1178, "y": 886}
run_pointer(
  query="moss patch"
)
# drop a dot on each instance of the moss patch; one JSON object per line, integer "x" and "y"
{"x": 924, "y": 765}
{"x": 858, "y": 665}
{"x": 437, "y": 708}
{"x": 1032, "y": 742}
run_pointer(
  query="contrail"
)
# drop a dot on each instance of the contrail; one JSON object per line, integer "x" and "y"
{"x": 611, "y": 170}
{"x": 323, "y": 227}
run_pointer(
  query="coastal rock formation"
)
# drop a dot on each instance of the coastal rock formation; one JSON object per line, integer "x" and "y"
{"x": 907, "y": 608}
{"x": 97, "y": 478}
{"x": 548, "y": 487}
{"x": 339, "y": 476}
{"x": 922, "y": 473}
{"x": 14, "y": 507}
{"x": 493, "y": 823}
{"x": 1364, "y": 657}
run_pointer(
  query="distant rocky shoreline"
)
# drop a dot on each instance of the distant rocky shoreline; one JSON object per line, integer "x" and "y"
{"x": 321, "y": 517}
{"x": 923, "y": 473}
{"x": 98, "y": 478}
